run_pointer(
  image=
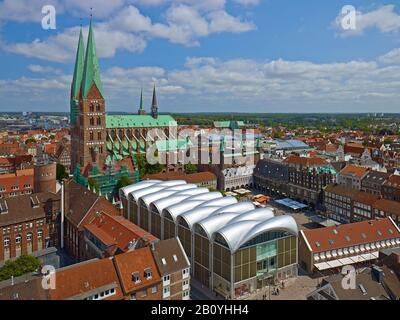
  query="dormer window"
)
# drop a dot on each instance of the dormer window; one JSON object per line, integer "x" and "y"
{"x": 147, "y": 273}
{"x": 136, "y": 277}
{"x": 175, "y": 258}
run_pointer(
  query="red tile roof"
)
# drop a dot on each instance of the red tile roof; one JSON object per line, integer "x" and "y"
{"x": 354, "y": 170}
{"x": 307, "y": 162}
{"x": 85, "y": 277}
{"x": 330, "y": 238}
{"x": 136, "y": 261}
{"x": 116, "y": 230}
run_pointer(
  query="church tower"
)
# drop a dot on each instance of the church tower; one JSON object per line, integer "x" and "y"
{"x": 90, "y": 134}
{"x": 154, "y": 106}
{"x": 74, "y": 101}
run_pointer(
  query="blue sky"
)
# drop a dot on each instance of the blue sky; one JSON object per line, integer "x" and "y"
{"x": 210, "y": 55}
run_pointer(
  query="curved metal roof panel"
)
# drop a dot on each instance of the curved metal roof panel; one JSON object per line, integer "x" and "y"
{"x": 224, "y": 201}
{"x": 179, "y": 208}
{"x": 161, "y": 204}
{"x": 237, "y": 207}
{"x": 197, "y": 214}
{"x": 195, "y": 191}
{"x": 261, "y": 214}
{"x": 207, "y": 196}
{"x": 215, "y": 221}
{"x": 150, "y": 198}
{"x": 239, "y": 232}
{"x": 133, "y": 187}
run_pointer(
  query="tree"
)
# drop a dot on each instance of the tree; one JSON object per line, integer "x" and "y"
{"x": 93, "y": 185}
{"x": 19, "y": 267}
{"x": 123, "y": 182}
{"x": 30, "y": 140}
{"x": 61, "y": 172}
{"x": 190, "y": 168}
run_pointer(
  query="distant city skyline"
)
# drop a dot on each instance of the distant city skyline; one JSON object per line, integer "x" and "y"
{"x": 260, "y": 56}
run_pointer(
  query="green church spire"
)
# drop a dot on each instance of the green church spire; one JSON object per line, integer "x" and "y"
{"x": 77, "y": 79}
{"x": 141, "y": 106}
{"x": 154, "y": 105}
{"x": 91, "y": 71}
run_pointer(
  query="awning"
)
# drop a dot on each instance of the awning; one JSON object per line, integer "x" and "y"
{"x": 340, "y": 252}
{"x": 357, "y": 259}
{"x": 322, "y": 255}
{"x": 346, "y": 261}
{"x": 393, "y": 242}
{"x": 334, "y": 263}
{"x": 367, "y": 247}
{"x": 398, "y": 241}
{"x": 334, "y": 253}
{"x": 373, "y": 246}
{"x": 351, "y": 250}
{"x": 322, "y": 266}
{"x": 316, "y": 257}
{"x": 357, "y": 249}
{"x": 346, "y": 251}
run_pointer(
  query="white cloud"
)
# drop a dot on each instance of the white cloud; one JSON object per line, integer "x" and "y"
{"x": 385, "y": 19}
{"x": 42, "y": 69}
{"x": 247, "y": 2}
{"x": 391, "y": 57}
{"x": 206, "y": 83}
{"x": 130, "y": 30}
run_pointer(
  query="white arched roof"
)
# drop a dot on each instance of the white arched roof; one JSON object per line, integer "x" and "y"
{"x": 181, "y": 207}
{"x": 207, "y": 196}
{"x": 197, "y": 214}
{"x": 215, "y": 221}
{"x": 161, "y": 204}
{"x": 224, "y": 201}
{"x": 256, "y": 214}
{"x": 182, "y": 187}
{"x": 141, "y": 192}
{"x": 237, "y": 207}
{"x": 239, "y": 232}
{"x": 133, "y": 187}
{"x": 150, "y": 198}
{"x": 195, "y": 191}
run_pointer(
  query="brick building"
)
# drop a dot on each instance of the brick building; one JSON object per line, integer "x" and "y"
{"x": 351, "y": 176}
{"x": 373, "y": 182}
{"x": 391, "y": 188}
{"x": 19, "y": 183}
{"x": 107, "y": 235}
{"x": 81, "y": 207}
{"x": 174, "y": 267}
{"x": 357, "y": 244}
{"x": 28, "y": 224}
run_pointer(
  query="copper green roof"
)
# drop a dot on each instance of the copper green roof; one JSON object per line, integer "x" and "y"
{"x": 172, "y": 145}
{"x": 77, "y": 78}
{"x": 91, "y": 71}
{"x": 139, "y": 121}
{"x": 229, "y": 124}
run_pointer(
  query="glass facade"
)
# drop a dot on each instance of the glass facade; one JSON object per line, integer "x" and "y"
{"x": 169, "y": 227}
{"x": 202, "y": 258}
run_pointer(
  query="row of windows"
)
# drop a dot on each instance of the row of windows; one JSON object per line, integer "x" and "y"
{"x": 18, "y": 238}
{"x": 102, "y": 295}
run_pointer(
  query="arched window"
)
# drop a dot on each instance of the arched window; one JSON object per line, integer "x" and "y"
{"x": 99, "y": 135}
{"x": 91, "y": 135}
{"x": 99, "y": 121}
{"x": 98, "y": 107}
{"x": 6, "y": 242}
{"x": 18, "y": 239}
{"x": 29, "y": 236}
{"x": 92, "y": 121}
{"x": 91, "y": 107}
{"x": 40, "y": 234}
{"x": 121, "y": 134}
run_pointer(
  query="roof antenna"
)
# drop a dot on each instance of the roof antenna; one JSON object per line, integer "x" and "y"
{"x": 91, "y": 14}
